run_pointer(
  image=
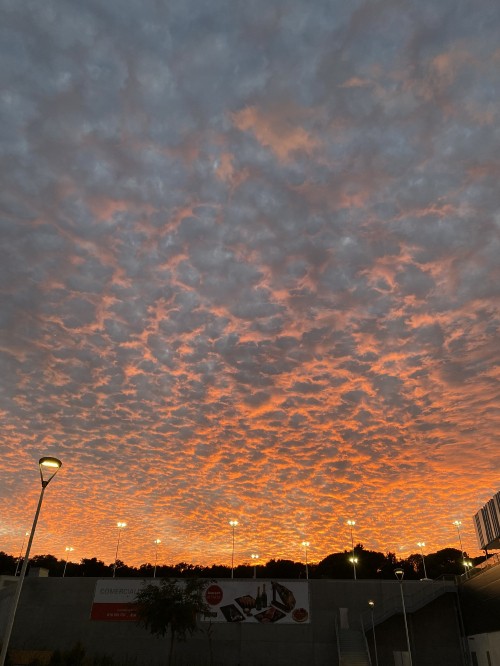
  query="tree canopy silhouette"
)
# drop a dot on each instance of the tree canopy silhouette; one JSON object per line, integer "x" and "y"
{"x": 172, "y": 606}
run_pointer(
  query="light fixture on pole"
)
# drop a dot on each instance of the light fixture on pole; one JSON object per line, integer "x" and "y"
{"x": 156, "y": 542}
{"x": 371, "y": 603}
{"x": 254, "y": 557}
{"x": 352, "y": 559}
{"x": 233, "y": 524}
{"x": 306, "y": 545}
{"x": 120, "y": 525}
{"x": 421, "y": 545}
{"x": 68, "y": 550}
{"x": 458, "y": 525}
{"x": 18, "y": 563}
{"x": 48, "y": 469}
{"x": 399, "y": 573}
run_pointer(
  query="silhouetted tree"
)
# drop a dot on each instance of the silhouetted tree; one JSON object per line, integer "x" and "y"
{"x": 283, "y": 569}
{"x": 7, "y": 564}
{"x": 94, "y": 568}
{"x": 172, "y": 605}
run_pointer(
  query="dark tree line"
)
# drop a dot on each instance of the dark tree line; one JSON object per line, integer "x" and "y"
{"x": 371, "y": 564}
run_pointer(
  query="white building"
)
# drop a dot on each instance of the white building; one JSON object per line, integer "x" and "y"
{"x": 487, "y": 524}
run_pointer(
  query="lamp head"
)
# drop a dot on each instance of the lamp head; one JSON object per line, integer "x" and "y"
{"x": 157, "y": 541}
{"x": 254, "y": 556}
{"x": 353, "y": 560}
{"x": 421, "y": 544}
{"x": 120, "y": 525}
{"x": 371, "y": 603}
{"x": 351, "y": 523}
{"x": 48, "y": 469}
{"x": 399, "y": 573}
{"x": 233, "y": 523}
{"x": 306, "y": 544}
{"x": 457, "y": 523}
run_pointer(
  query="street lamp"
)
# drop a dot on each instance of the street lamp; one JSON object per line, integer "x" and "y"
{"x": 421, "y": 545}
{"x": 68, "y": 549}
{"x": 372, "y": 608}
{"x": 156, "y": 542}
{"x": 233, "y": 524}
{"x": 399, "y": 573}
{"x": 458, "y": 524}
{"x": 48, "y": 469}
{"x": 21, "y": 553}
{"x": 353, "y": 559}
{"x": 254, "y": 557}
{"x": 120, "y": 525}
{"x": 306, "y": 545}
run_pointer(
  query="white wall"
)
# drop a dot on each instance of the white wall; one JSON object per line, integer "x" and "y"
{"x": 481, "y": 644}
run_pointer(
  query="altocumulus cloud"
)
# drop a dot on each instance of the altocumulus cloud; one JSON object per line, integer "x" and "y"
{"x": 249, "y": 270}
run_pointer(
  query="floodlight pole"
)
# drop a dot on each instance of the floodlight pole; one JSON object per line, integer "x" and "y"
{"x": 44, "y": 464}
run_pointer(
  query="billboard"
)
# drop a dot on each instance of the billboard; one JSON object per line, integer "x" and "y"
{"x": 252, "y": 600}
{"x": 114, "y": 599}
{"x": 258, "y": 601}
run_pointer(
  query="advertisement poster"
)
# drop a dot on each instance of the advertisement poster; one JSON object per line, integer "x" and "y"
{"x": 250, "y": 600}
{"x": 114, "y": 599}
{"x": 258, "y": 601}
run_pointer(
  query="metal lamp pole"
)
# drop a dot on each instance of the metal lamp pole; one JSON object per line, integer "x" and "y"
{"x": 18, "y": 563}
{"x": 372, "y": 608}
{"x": 68, "y": 549}
{"x": 399, "y": 573}
{"x": 254, "y": 557}
{"x": 306, "y": 544}
{"x": 120, "y": 526}
{"x": 48, "y": 469}
{"x": 458, "y": 524}
{"x": 157, "y": 542}
{"x": 233, "y": 524}
{"x": 421, "y": 545}
{"x": 351, "y": 524}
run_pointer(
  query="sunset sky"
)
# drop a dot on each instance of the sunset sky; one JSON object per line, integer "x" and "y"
{"x": 250, "y": 269}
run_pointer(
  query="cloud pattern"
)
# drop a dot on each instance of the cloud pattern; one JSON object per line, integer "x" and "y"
{"x": 250, "y": 269}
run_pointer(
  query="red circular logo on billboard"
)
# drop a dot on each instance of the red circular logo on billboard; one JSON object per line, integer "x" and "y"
{"x": 213, "y": 595}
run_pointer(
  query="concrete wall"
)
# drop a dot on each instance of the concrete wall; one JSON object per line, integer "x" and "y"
{"x": 54, "y": 613}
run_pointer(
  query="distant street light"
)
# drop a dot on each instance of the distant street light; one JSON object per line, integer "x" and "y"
{"x": 156, "y": 542}
{"x": 353, "y": 559}
{"x": 18, "y": 563}
{"x": 372, "y": 608}
{"x": 120, "y": 525}
{"x": 399, "y": 573}
{"x": 458, "y": 524}
{"x": 306, "y": 545}
{"x": 68, "y": 549}
{"x": 254, "y": 557}
{"x": 48, "y": 469}
{"x": 421, "y": 545}
{"x": 233, "y": 523}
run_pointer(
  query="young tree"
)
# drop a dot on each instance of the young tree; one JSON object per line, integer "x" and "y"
{"x": 172, "y": 605}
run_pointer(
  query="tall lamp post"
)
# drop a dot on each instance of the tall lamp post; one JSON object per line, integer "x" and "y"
{"x": 306, "y": 545}
{"x": 371, "y": 603}
{"x": 156, "y": 542}
{"x": 399, "y": 573}
{"x": 458, "y": 525}
{"x": 68, "y": 550}
{"x": 254, "y": 557}
{"x": 421, "y": 545}
{"x": 48, "y": 469}
{"x": 353, "y": 559}
{"x": 18, "y": 563}
{"x": 233, "y": 524}
{"x": 120, "y": 525}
